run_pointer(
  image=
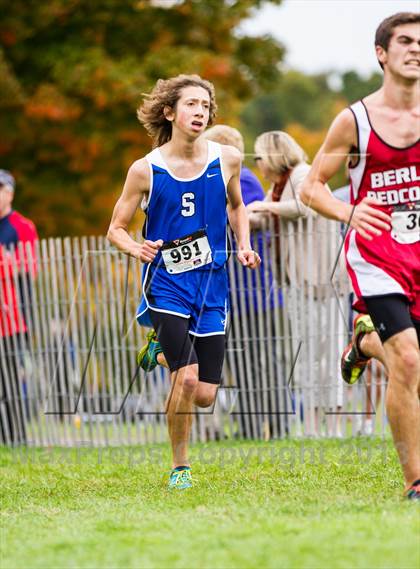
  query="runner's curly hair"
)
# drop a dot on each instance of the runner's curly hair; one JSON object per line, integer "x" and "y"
{"x": 166, "y": 93}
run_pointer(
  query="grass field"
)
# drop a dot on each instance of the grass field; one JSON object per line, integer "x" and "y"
{"x": 286, "y": 503}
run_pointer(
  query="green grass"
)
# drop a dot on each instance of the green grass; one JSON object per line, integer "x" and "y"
{"x": 291, "y": 504}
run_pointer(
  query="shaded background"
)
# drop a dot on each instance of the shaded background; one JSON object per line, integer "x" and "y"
{"x": 73, "y": 72}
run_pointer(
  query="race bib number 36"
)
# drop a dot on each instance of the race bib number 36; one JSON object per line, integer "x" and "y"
{"x": 406, "y": 224}
{"x": 187, "y": 253}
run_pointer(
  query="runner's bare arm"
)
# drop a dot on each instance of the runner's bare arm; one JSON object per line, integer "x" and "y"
{"x": 340, "y": 140}
{"x": 238, "y": 217}
{"x": 135, "y": 186}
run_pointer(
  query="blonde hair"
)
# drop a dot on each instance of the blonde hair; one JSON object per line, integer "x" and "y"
{"x": 279, "y": 151}
{"x": 226, "y": 135}
{"x": 166, "y": 93}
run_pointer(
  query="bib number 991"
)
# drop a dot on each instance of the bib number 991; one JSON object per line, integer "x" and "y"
{"x": 185, "y": 252}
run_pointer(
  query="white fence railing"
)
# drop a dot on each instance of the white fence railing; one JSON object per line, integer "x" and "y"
{"x": 71, "y": 377}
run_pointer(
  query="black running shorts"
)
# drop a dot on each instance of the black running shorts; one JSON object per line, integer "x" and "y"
{"x": 390, "y": 314}
{"x": 181, "y": 348}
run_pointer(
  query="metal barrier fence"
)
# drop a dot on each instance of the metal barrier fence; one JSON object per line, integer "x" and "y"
{"x": 69, "y": 340}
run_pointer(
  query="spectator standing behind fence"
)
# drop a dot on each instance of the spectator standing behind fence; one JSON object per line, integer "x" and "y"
{"x": 304, "y": 251}
{"x": 14, "y": 228}
{"x": 247, "y": 371}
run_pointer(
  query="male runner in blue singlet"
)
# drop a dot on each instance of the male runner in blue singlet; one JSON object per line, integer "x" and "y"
{"x": 189, "y": 188}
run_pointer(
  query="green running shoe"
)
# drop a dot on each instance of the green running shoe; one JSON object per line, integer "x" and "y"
{"x": 353, "y": 362}
{"x": 180, "y": 478}
{"x": 147, "y": 356}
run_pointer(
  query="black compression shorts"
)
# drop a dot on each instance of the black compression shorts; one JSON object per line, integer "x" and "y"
{"x": 390, "y": 314}
{"x": 181, "y": 348}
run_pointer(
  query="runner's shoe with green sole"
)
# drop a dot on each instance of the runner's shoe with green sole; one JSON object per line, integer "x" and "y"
{"x": 147, "y": 356}
{"x": 180, "y": 478}
{"x": 353, "y": 362}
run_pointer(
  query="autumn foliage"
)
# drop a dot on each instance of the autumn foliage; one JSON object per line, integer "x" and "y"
{"x": 73, "y": 73}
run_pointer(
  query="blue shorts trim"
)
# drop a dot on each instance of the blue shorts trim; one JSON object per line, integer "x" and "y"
{"x": 200, "y": 296}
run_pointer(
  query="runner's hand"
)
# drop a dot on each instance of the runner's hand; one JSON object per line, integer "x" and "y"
{"x": 369, "y": 221}
{"x": 148, "y": 250}
{"x": 249, "y": 259}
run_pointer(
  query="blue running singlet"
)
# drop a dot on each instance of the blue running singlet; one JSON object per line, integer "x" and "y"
{"x": 188, "y": 276}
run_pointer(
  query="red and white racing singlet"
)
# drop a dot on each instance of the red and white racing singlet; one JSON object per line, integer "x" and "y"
{"x": 390, "y": 262}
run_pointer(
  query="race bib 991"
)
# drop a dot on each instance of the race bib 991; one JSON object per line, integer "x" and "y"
{"x": 406, "y": 224}
{"x": 187, "y": 253}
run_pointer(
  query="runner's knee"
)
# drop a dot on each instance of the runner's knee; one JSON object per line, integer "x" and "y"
{"x": 189, "y": 382}
{"x": 406, "y": 363}
{"x": 205, "y": 395}
{"x": 410, "y": 360}
{"x": 205, "y": 400}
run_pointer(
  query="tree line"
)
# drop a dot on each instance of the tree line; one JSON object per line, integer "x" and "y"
{"x": 73, "y": 73}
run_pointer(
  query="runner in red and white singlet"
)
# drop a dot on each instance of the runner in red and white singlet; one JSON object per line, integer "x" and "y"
{"x": 390, "y": 262}
{"x": 381, "y": 138}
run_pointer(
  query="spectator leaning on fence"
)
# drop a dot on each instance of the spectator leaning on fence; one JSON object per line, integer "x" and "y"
{"x": 248, "y": 370}
{"x": 284, "y": 163}
{"x": 14, "y": 228}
